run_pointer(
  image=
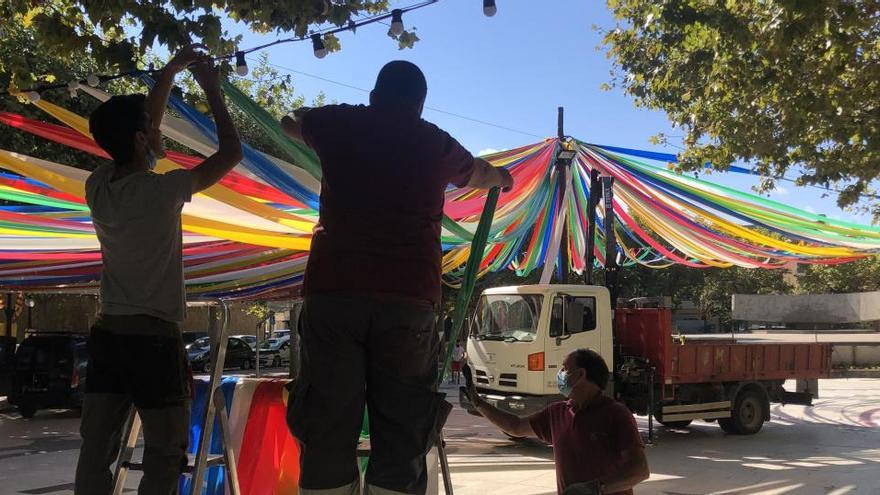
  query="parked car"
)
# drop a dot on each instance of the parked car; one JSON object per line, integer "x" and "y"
{"x": 190, "y": 337}
{"x": 200, "y": 343}
{"x": 275, "y": 352}
{"x": 281, "y": 334}
{"x": 238, "y": 355}
{"x": 50, "y": 371}
{"x": 7, "y": 363}
{"x": 250, "y": 340}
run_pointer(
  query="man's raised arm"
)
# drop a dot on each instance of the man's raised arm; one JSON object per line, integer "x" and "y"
{"x": 486, "y": 176}
{"x": 157, "y": 99}
{"x": 228, "y": 153}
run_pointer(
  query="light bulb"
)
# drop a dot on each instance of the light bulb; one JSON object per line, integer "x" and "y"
{"x": 72, "y": 87}
{"x": 241, "y": 67}
{"x": 396, "y": 22}
{"x": 318, "y": 46}
{"x": 93, "y": 80}
{"x": 33, "y": 96}
{"x": 489, "y": 8}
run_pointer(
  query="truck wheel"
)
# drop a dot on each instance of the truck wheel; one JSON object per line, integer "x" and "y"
{"x": 27, "y": 411}
{"x": 748, "y": 413}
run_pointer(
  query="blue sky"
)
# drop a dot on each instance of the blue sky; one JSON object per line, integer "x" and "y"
{"x": 511, "y": 70}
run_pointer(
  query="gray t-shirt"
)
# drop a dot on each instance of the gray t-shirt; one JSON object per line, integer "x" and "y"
{"x": 137, "y": 220}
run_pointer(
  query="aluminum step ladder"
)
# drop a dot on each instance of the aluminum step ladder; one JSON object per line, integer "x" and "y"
{"x": 197, "y": 464}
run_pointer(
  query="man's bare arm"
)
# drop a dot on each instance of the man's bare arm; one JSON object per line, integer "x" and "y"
{"x": 228, "y": 153}
{"x": 486, "y": 176}
{"x": 157, "y": 99}
{"x": 635, "y": 470}
{"x": 511, "y": 424}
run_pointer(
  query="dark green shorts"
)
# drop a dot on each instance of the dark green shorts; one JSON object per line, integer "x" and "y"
{"x": 152, "y": 369}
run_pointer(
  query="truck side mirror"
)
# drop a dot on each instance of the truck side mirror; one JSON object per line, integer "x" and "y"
{"x": 557, "y": 318}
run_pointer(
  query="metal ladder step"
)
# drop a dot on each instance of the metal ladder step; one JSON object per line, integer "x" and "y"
{"x": 214, "y": 460}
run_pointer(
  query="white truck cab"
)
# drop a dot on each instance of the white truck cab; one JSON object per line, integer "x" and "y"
{"x": 520, "y": 335}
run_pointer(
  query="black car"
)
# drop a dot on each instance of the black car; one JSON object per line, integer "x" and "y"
{"x": 50, "y": 371}
{"x": 238, "y": 355}
{"x": 190, "y": 337}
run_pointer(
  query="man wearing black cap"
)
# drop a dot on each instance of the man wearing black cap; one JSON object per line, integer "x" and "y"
{"x": 373, "y": 283}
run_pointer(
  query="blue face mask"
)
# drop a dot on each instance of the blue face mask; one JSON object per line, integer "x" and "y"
{"x": 151, "y": 159}
{"x": 562, "y": 383}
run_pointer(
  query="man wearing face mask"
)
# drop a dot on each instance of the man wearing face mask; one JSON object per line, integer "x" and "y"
{"x": 136, "y": 355}
{"x": 596, "y": 444}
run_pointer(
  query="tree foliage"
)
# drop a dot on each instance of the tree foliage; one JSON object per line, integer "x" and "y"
{"x": 119, "y": 34}
{"x": 859, "y": 276}
{"x": 266, "y": 85}
{"x": 782, "y": 84}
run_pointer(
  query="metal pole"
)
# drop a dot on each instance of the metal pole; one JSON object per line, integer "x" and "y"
{"x": 444, "y": 465}
{"x": 560, "y": 115}
{"x": 590, "y": 254}
{"x": 560, "y": 170}
{"x": 610, "y": 240}
{"x": 10, "y": 310}
{"x": 651, "y": 406}
{"x": 257, "y": 353}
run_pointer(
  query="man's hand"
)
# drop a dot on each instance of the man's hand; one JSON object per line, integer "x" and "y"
{"x": 157, "y": 100}
{"x": 186, "y": 57}
{"x": 486, "y": 176}
{"x": 206, "y": 73}
{"x": 506, "y": 179}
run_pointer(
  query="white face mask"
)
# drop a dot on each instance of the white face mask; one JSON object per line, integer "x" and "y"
{"x": 151, "y": 159}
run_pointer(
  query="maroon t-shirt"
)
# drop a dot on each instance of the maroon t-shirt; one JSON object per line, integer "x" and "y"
{"x": 382, "y": 193}
{"x": 588, "y": 443}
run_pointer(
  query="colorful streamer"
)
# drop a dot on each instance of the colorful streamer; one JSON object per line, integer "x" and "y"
{"x": 249, "y": 236}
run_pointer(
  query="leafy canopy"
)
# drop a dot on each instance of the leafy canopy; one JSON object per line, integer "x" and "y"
{"x": 266, "y": 85}
{"x": 782, "y": 84}
{"x": 119, "y": 34}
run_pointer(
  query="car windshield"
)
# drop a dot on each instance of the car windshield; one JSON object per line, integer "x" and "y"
{"x": 507, "y": 317}
{"x": 202, "y": 343}
{"x": 270, "y": 344}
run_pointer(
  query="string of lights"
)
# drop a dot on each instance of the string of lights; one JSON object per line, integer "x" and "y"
{"x": 317, "y": 38}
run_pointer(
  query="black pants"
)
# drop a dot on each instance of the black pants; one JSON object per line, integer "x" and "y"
{"x": 127, "y": 366}
{"x": 358, "y": 350}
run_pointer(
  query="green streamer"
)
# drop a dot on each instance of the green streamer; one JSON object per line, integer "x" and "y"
{"x": 302, "y": 155}
{"x": 478, "y": 246}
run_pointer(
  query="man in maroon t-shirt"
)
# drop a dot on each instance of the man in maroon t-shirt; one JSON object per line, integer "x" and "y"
{"x": 372, "y": 284}
{"x": 596, "y": 444}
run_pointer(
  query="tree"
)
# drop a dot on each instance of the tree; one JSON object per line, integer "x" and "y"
{"x": 269, "y": 88}
{"x": 859, "y": 276}
{"x": 781, "y": 84}
{"x": 713, "y": 296}
{"x": 119, "y": 34}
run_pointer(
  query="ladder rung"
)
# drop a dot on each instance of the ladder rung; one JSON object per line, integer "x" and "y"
{"x": 213, "y": 461}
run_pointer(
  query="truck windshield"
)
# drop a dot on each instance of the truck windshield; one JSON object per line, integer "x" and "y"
{"x": 508, "y": 317}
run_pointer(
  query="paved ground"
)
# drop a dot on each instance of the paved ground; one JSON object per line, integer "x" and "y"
{"x": 831, "y": 448}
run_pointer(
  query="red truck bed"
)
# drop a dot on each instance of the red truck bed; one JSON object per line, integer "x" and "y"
{"x": 648, "y": 333}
